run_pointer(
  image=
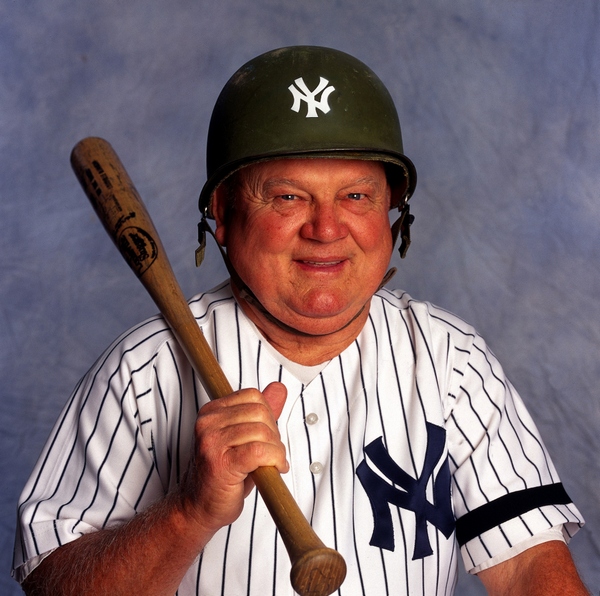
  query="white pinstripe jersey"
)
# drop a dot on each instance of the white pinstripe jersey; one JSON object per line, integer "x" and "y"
{"x": 417, "y": 404}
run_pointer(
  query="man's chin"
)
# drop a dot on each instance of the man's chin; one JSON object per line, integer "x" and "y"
{"x": 320, "y": 319}
{"x": 317, "y": 323}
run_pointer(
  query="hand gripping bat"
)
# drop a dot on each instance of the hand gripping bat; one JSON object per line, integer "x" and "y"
{"x": 316, "y": 569}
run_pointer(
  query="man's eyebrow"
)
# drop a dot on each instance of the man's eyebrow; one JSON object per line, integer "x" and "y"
{"x": 364, "y": 180}
{"x": 274, "y": 182}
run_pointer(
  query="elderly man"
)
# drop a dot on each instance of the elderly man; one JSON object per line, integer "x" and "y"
{"x": 393, "y": 424}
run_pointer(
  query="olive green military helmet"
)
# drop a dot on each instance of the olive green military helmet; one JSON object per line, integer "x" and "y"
{"x": 304, "y": 101}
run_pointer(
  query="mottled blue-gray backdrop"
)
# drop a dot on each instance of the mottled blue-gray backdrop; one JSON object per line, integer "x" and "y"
{"x": 500, "y": 107}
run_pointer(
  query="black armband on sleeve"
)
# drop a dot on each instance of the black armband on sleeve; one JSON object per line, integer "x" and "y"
{"x": 509, "y": 506}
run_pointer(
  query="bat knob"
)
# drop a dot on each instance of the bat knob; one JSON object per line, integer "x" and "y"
{"x": 318, "y": 572}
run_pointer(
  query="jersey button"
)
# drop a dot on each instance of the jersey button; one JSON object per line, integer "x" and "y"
{"x": 312, "y": 419}
{"x": 316, "y": 467}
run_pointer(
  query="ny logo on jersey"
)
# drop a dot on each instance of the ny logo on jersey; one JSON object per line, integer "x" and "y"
{"x": 302, "y": 93}
{"x": 411, "y": 495}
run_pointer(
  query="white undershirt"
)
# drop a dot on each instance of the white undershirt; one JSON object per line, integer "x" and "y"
{"x": 305, "y": 374}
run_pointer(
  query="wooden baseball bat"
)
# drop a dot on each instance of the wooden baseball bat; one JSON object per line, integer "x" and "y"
{"x": 316, "y": 569}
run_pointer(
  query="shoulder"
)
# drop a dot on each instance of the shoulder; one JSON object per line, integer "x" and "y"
{"x": 424, "y": 314}
{"x": 206, "y": 304}
{"x": 144, "y": 342}
{"x": 435, "y": 330}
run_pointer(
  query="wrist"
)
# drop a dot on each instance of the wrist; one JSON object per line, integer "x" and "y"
{"x": 188, "y": 521}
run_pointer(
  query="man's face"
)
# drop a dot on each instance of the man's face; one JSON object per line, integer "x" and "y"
{"x": 310, "y": 237}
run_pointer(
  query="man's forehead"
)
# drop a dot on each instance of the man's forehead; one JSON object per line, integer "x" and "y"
{"x": 297, "y": 169}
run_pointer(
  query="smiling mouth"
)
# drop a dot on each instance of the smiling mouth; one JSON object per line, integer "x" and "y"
{"x": 322, "y": 263}
{"x": 322, "y": 267}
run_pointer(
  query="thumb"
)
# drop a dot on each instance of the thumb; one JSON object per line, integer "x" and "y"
{"x": 275, "y": 395}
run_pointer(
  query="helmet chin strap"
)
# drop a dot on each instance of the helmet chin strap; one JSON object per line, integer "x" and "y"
{"x": 400, "y": 227}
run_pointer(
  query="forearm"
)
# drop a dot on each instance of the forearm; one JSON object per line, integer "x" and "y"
{"x": 148, "y": 555}
{"x": 544, "y": 569}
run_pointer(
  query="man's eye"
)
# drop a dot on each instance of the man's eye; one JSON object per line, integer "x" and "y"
{"x": 356, "y": 196}
{"x": 287, "y": 197}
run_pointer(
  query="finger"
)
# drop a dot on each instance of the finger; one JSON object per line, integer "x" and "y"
{"x": 238, "y": 398}
{"x": 236, "y": 423}
{"x": 245, "y": 458}
{"x": 248, "y": 406}
{"x": 275, "y": 395}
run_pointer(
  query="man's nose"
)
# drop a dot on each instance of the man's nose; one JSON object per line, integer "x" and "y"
{"x": 325, "y": 223}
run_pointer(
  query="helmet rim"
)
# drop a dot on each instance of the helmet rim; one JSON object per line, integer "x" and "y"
{"x": 221, "y": 174}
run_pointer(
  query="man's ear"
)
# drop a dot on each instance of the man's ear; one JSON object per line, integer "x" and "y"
{"x": 219, "y": 210}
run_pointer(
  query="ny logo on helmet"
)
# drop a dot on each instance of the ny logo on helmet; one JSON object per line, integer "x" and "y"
{"x": 302, "y": 93}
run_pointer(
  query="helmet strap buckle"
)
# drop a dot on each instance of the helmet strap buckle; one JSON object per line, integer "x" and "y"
{"x": 203, "y": 229}
{"x": 401, "y": 227}
{"x": 201, "y": 250}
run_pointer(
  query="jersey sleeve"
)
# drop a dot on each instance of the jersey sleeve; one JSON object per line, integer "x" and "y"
{"x": 98, "y": 467}
{"x": 505, "y": 486}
